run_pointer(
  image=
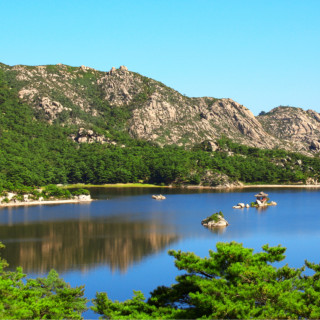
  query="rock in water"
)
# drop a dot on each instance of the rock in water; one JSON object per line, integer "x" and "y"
{"x": 216, "y": 220}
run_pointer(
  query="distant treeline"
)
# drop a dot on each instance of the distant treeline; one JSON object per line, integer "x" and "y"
{"x": 35, "y": 153}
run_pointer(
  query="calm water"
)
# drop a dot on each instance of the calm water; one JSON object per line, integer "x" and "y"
{"x": 119, "y": 243}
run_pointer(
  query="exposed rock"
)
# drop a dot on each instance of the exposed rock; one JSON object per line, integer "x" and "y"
{"x": 294, "y": 126}
{"x": 161, "y": 114}
{"x": 84, "y": 197}
{"x": 51, "y": 108}
{"x": 113, "y": 69}
{"x": 218, "y": 179}
{"x": 240, "y": 206}
{"x": 312, "y": 181}
{"x": 219, "y": 221}
{"x": 28, "y": 94}
{"x": 10, "y": 195}
{"x": 158, "y": 197}
{"x": 315, "y": 145}
{"x": 89, "y": 136}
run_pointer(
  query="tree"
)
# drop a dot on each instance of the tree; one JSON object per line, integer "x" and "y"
{"x": 41, "y": 298}
{"x": 232, "y": 282}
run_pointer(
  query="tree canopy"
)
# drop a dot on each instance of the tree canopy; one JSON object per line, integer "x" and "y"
{"x": 232, "y": 283}
{"x": 42, "y": 298}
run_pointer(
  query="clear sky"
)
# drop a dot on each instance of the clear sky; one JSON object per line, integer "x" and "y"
{"x": 260, "y": 53}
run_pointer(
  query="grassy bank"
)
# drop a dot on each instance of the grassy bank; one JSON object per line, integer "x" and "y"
{"x": 115, "y": 185}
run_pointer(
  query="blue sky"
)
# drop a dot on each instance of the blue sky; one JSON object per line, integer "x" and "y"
{"x": 260, "y": 53}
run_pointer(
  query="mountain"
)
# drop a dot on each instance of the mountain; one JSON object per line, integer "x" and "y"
{"x": 62, "y": 124}
{"x": 97, "y": 105}
{"x": 294, "y": 126}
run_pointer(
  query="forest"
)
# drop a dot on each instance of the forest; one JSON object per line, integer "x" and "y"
{"x": 34, "y": 152}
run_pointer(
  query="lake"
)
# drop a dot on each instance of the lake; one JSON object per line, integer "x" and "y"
{"x": 119, "y": 242}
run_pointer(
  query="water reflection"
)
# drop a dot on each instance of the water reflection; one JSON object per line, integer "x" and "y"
{"x": 67, "y": 245}
{"x": 218, "y": 230}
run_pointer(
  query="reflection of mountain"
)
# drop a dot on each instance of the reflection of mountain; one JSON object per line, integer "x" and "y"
{"x": 80, "y": 244}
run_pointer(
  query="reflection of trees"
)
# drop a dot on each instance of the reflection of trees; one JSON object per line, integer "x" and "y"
{"x": 80, "y": 244}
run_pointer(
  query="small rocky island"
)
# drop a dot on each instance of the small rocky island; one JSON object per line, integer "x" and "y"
{"x": 158, "y": 197}
{"x": 215, "y": 220}
{"x": 262, "y": 200}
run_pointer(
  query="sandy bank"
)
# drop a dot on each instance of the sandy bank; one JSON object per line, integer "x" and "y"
{"x": 260, "y": 186}
{"x": 35, "y": 203}
{"x": 282, "y": 186}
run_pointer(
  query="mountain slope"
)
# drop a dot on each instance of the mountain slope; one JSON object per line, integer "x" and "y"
{"x": 125, "y": 101}
{"x": 109, "y": 106}
{"x": 294, "y": 126}
{"x": 46, "y": 137}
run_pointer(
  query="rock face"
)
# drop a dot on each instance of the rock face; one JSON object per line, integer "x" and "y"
{"x": 195, "y": 120}
{"x": 218, "y": 179}
{"x": 294, "y": 126}
{"x": 88, "y": 136}
{"x": 81, "y": 95}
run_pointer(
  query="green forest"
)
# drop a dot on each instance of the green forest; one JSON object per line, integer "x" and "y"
{"x": 36, "y": 153}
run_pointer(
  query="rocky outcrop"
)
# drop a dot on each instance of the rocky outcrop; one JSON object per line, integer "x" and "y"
{"x": 217, "y": 179}
{"x": 51, "y": 108}
{"x": 158, "y": 197}
{"x": 297, "y": 128}
{"x": 151, "y": 111}
{"x": 192, "y": 121}
{"x": 89, "y": 136}
{"x": 214, "y": 221}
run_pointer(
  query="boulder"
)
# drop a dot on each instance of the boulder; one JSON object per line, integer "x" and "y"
{"x": 158, "y": 197}
{"x": 123, "y": 68}
{"x": 84, "y": 197}
{"x": 113, "y": 69}
{"x": 10, "y": 195}
{"x": 315, "y": 145}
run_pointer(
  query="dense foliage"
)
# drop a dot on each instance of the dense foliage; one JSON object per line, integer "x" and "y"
{"x": 232, "y": 283}
{"x": 36, "y": 153}
{"x": 41, "y": 298}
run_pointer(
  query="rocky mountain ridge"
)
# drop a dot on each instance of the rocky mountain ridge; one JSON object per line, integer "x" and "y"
{"x": 96, "y": 103}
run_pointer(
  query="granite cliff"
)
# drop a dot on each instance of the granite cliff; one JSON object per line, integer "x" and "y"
{"x": 96, "y": 103}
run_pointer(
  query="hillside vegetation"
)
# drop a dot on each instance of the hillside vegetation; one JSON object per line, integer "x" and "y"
{"x": 92, "y": 144}
{"x": 98, "y": 106}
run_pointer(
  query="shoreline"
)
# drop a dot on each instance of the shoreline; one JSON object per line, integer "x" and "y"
{"x": 264, "y": 186}
{"x": 282, "y": 186}
{"x": 36, "y": 203}
{"x": 141, "y": 185}
{"x": 113, "y": 185}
